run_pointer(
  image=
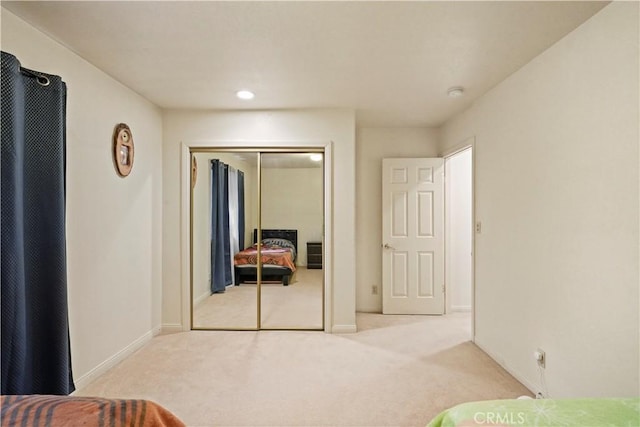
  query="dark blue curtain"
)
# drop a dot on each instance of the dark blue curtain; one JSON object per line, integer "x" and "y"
{"x": 35, "y": 330}
{"x": 218, "y": 280}
{"x": 221, "y": 256}
{"x": 228, "y": 273}
{"x": 241, "y": 209}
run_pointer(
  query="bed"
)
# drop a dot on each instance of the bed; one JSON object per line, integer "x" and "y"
{"x": 58, "y": 411}
{"x": 542, "y": 412}
{"x": 278, "y": 254}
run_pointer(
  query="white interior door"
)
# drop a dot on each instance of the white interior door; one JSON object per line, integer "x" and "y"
{"x": 413, "y": 236}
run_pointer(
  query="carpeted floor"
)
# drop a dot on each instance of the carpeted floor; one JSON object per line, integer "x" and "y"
{"x": 297, "y": 306}
{"x": 396, "y": 371}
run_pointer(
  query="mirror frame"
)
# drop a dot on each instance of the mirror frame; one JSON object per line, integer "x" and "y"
{"x": 187, "y": 226}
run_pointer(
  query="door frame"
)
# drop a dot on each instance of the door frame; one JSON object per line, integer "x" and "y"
{"x": 257, "y": 145}
{"x": 465, "y": 144}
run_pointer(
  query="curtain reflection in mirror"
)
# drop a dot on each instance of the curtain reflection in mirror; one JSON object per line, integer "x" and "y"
{"x": 221, "y": 212}
{"x": 227, "y": 213}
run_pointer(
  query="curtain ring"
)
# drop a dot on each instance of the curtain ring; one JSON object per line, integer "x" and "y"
{"x": 42, "y": 80}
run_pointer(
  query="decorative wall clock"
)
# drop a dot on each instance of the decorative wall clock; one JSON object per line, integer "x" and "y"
{"x": 123, "y": 149}
{"x": 194, "y": 170}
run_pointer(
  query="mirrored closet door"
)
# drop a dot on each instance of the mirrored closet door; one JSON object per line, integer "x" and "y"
{"x": 292, "y": 206}
{"x": 240, "y": 198}
{"x": 224, "y": 211}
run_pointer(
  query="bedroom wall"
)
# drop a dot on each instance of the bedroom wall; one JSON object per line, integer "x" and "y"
{"x": 293, "y": 198}
{"x": 114, "y": 233}
{"x": 374, "y": 144}
{"x": 264, "y": 128}
{"x": 557, "y": 195}
{"x": 458, "y": 210}
{"x": 202, "y": 216}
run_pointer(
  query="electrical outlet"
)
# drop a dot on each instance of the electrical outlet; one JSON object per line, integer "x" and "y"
{"x": 374, "y": 290}
{"x": 541, "y": 357}
{"x": 478, "y": 227}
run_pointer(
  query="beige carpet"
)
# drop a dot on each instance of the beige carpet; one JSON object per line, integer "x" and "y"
{"x": 397, "y": 371}
{"x": 297, "y": 306}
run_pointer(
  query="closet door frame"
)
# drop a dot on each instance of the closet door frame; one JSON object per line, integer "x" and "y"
{"x": 187, "y": 148}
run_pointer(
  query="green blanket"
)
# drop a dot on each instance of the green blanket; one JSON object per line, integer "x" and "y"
{"x": 543, "y": 412}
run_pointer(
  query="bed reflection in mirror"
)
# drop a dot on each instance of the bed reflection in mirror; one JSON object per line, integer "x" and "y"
{"x": 240, "y": 199}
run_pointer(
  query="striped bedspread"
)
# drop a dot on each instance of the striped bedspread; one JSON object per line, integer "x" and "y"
{"x": 270, "y": 255}
{"x": 58, "y": 411}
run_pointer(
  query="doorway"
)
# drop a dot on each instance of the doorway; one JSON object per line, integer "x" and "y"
{"x": 459, "y": 230}
{"x": 269, "y": 272}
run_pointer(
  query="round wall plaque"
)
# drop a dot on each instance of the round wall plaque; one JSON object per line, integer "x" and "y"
{"x": 194, "y": 170}
{"x": 123, "y": 149}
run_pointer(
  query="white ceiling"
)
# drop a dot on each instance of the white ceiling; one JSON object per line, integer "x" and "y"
{"x": 390, "y": 61}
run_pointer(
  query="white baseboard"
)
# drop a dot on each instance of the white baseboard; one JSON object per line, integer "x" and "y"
{"x": 103, "y": 367}
{"x": 461, "y": 308}
{"x": 201, "y": 298}
{"x": 156, "y": 330}
{"x": 344, "y": 329}
{"x": 171, "y": 328}
{"x": 532, "y": 387}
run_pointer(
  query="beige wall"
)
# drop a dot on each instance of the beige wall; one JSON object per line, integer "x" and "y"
{"x": 293, "y": 198}
{"x": 374, "y": 144}
{"x": 262, "y": 129}
{"x": 114, "y": 234}
{"x": 557, "y": 194}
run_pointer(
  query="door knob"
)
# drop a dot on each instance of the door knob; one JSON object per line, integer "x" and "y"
{"x": 387, "y": 246}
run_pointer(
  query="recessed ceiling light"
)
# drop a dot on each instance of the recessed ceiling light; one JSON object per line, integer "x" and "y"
{"x": 245, "y": 94}
{"x": 455, "y": 92}
{"x": 316, "y": 157}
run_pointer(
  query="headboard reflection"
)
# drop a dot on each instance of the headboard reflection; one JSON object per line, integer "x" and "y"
{"x": 290, "y": 235}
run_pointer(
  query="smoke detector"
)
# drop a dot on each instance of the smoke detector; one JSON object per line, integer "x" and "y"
{"x": 455, "y": 92}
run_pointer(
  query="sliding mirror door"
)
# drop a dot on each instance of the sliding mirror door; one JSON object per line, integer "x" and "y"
{"x": 224, "y": 213}
{"x": 239, "y": 198}
{"x": 292, "y": 220}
